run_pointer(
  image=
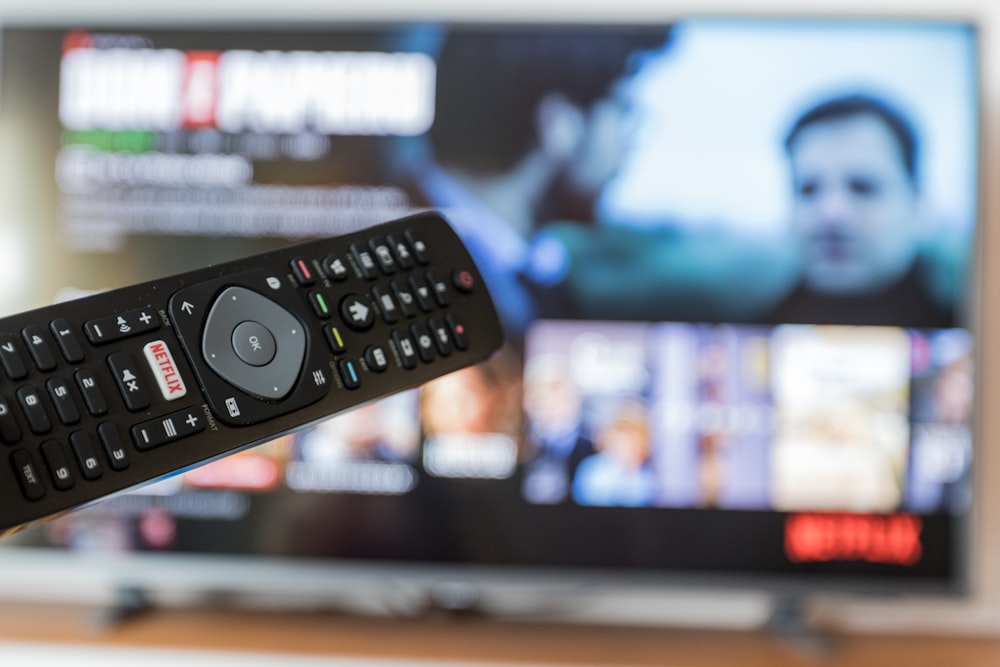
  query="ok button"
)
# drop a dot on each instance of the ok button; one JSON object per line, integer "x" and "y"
{"x": 253, "y": 343}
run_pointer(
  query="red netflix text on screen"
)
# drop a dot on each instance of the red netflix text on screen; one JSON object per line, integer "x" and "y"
{"x": 830, "y": 537}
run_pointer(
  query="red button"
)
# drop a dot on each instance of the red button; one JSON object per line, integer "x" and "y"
{"x": 463, "y": 280}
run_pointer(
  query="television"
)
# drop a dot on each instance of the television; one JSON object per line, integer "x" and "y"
{"x": 734, "y": 258}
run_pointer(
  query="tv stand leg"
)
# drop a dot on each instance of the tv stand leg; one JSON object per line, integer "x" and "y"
{"x": 788, "y": 624}
{"x": 130, "y": 603}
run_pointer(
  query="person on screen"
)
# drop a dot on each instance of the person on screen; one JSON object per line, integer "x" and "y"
{"x": 556, "y": 441}
{"x": 620, "y": 473}
{"x": 527, "y": 127}
{"x": 857, "y": 219}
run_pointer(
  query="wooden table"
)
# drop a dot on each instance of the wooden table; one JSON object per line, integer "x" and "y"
{"x": 470, "y": 641}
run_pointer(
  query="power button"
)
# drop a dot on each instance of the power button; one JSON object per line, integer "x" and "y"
{"x": 463, "y": 280}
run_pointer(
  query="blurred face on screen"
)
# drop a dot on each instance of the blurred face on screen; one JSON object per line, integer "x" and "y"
{"x": 855, "y": 205}
{"x": 607, "y": 136}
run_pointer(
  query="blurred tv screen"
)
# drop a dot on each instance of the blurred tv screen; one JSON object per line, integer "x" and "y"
{"x": 733, "y": 257}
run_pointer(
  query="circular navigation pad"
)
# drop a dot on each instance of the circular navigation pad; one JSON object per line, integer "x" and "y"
{"x": 253, "y": 343}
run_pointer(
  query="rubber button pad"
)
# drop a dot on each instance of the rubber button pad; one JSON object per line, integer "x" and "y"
{"x": 207, "y": 315}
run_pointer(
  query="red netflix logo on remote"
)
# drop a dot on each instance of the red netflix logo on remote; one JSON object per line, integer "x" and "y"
{"x": 818, "y": 537}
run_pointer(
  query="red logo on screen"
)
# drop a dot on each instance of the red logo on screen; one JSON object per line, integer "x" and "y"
{"x": 200, "y": 91}
{"x": 77, "y": 39}
{"x": 820, "y": 537}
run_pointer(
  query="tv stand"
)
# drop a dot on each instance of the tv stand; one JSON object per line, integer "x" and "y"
{"x": 455, "y": 599}
{"x": 788, "y": 623}
{"x": 130, "y": 602}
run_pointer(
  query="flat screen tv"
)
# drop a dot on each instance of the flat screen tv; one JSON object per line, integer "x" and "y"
{"x": 734, "y": 260}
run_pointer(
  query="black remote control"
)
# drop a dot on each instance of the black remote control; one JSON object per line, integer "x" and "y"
{"x": 113, "y": 390}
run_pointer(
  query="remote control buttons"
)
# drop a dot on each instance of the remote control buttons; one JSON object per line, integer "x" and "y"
{"x": 161, "y": 363}
{"x": 403, "y": 256}
{"x": 463, "y": 280}
{"x": 302, "y": 272}
{"x": 122, "y": 325}
{"x": 376, "y": 358}
{"x": 335, "y": 268}
{"x": 253, "y": 343}
{"x": 66, "y": 339}
{"x": 9, "y": 432}
{"x": 419, "y": 247}
{"x": 113, "y": 445}
{"x": 10, "y": 358}
{"x": 160, "y": 431}
{"x": 126, "y": 374}
{"x": 38, "y": 348}
{"x": 357, "y": 312}
{"x": 27, "y": 475}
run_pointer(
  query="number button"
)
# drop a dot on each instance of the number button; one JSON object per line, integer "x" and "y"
{"x": 55, "y": 461}
{"x": 31, "y": 404}
{"x": 111, "y": 440}
{"x": 93, "y": 398}
{"x": 65, "y": 406}
{"x": 66, "y": 340}
{"x": 10, "y": 358}
{"x": 9, "y": 432}
{"x": 86, "y": 458}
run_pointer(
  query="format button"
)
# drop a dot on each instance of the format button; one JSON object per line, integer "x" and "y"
{"x": 253, "y": 343}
